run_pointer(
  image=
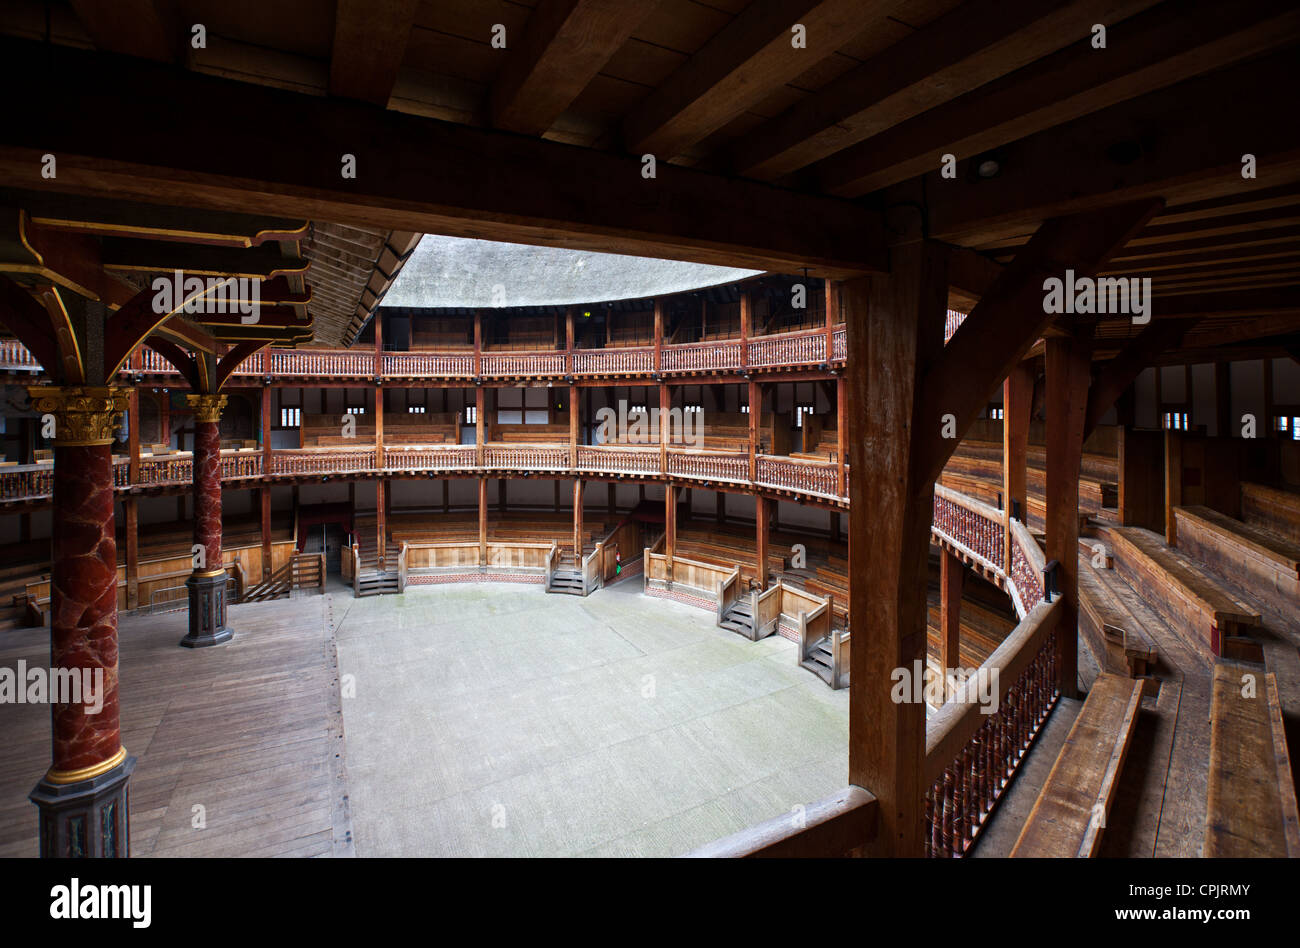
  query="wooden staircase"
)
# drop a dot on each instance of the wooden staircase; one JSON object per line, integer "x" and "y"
{"x": 302, "y": 571}
{"x": 819, "y": 660}
{"x": 739, "y": 617}
{"x": 567, "y": 578}
{"x": 370, "y": 574}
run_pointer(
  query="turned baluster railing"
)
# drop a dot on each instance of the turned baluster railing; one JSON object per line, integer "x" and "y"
{"x": 523, "y": 363}
{"x": 708, "y": 465}
{"x": 795, "y": 348}
{"x": 809, "y": 477}
{"x": 697, "y": 356}
{"x": 952, "y": 322}
{"x": 613, "y": 361}
{"x": 526, "y": 457}
{"x": 15, "y": 355}
{"x": 618, "y": 459}
{"x": 429, "y": 364}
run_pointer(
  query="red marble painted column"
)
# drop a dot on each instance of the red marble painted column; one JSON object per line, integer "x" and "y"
{"x": 207, "y": 584}
{"x": 83, "y": 798}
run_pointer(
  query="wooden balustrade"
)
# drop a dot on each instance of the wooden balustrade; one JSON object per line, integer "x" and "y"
{"x": 971, "y": 524}
{"x": 618, "y": 459}
{"x": 26, "y": 481}
{"x": 523, "y": 363}
{"x": 709, "y": 466}
{"x": 526, "y": 457}
{"x": 840, "y": 344}
{"x": 791, "y": 348}
{"x": 951, "y": 324}
{"x": 1027, "y": 561}
{"x": 639, "y": 361}
{"x": 701, "y": 356}
{"x": 972, "y": 756}
{"x": 241, "y": 464}
{"x": 315, "y": 461}
{"x": 322, "y": 362}
{"x": 15, "y": 355}
{"x": 167, "y": 469}
{"x": 807, "y": 477}
{"x": 417, "y": 365}
{"x": 430, "y": 458}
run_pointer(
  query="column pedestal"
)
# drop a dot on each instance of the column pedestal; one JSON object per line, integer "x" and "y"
{"x": 207, "y": 595}
{"x": 86, "y": 818}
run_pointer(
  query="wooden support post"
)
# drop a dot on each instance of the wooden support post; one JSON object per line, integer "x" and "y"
{"x": 131, "y": 506}
{"x": 568, "y": 349}
{"x": 762, "y": 525}
{"x": 1173, "y": 482}
{"x": 1068, "y": 376}
{"x": 832, "y": 292}
{"x": 267, "y": 460}
{"x": 482, "y": 521}
{"x": 659, "y": 335}
{"x": 746, "y": 321}
{"x": 1223, "y": 399}
{"x": 665, "y": 426}
{"x": 1266, "y": 423}
{"x": 480, "y": 401}
{"x": 951, "y": 580}
{"x": 501, "y": 494}
{"x": 379, "y": 427}
{"x": 165, "y": 417}
{"x": 841, "y": 433}
{"x": 264, "y": 502}
{"x": 720, "y": 506}
{"x": 755, "y": 409}
{"x": 574, "y": 422}
{"x": 379, "y": 346}
{"x": 1017, "y": 397}
{"x": 577, "y": 522}
{"x": 381, "y": 516}
{"x": 889, "y": 529}
{"x": 670, "y": 526}
{"x": 478, "y": 343}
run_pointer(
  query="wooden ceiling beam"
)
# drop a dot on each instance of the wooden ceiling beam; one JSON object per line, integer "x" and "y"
{"x": 145, "y": 28}
{"x": 1159, "y": 145}
{"x": 739, "y": 67}
{"x": 164, "y": 256}
{"x": 467, "y": 182}
{"x": 969, "y": 46}
{"x": 565, "y": 45}
{"x": 370, "y": 39}
{"x": 1149, "y": 52}
{"x": 1249, "y": 302}
{"x": 1120, "y": 371}
{"x": 1002, "y": 328}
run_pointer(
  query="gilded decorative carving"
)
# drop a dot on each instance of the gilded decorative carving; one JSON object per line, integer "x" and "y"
{"x": 206, "y": 407}
{"x": 82, "y": 415}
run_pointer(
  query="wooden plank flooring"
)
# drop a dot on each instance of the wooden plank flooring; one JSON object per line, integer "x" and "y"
{"x": 251, "y": 732}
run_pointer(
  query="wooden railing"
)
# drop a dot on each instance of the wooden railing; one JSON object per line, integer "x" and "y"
{"x": 768, "y": 606}
{"x": 15, "y": 355}
{"x": 728, "y": 592}
{"x": 700, "y": 356}
{"x": 711, "y": 466}
{"x": 418, "y": 365}
{"x": 971, "y": 756}
{"x": 972, "y": 525}
{"x": 593, "y": 576}
{"x": 322, "y": 461}
{"x": 450, "y": 457}
{"x": 638, "y": 361}
{"x": 522, "y": 363}
{"x": 321, "y": 362}
{"x": 617, "y": 459}
{"x": 526, "y": 457}
{"x": 839, "y": 825}
{"x": 805, "y": 477}
{"x": 791, "y": 348}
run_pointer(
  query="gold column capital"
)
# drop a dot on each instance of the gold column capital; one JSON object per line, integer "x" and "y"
{"x": 83, "y": 415}
{"x": 206, "y": 407}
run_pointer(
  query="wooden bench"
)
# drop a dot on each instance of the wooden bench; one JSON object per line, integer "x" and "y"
{"x": 1213, "y": 620}
{"x": 1251, "y": 800}
{"x": 1071, "y": 811}
{"x": 1114, "y": 634}
{"x": 1273, "y": 508}
{"x": 1258, "y": 560}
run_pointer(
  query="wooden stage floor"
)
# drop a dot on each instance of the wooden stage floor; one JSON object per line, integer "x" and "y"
{"x": 245, "y": 739}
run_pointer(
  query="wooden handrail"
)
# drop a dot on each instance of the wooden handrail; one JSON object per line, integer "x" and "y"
{"x": 838, "y": 825}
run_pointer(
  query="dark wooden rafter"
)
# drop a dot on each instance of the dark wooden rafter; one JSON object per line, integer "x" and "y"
{"x": 738, "y": 67}
{"x": 1003, "y": 326}
{"x": 155, "y": 256}
{"x": 1147, "y": 52}
{"x": 565, "y": 45}
{"x": 28, "y": 320}
{"x": 1118, "y": 374}
{"x": 234, "y": 358}
{"x": 967, "y": 47}
{"x": 69, "y": 260}
{"x": 184, "y": 363}
{"x": 72, "y": 359}
{"x": 549, "y": 193}
{"x": 370, "y": 38}
{"x": 1112, "y": 156}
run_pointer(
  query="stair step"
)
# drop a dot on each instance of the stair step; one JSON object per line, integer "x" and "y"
{"x": 821, "y": 672}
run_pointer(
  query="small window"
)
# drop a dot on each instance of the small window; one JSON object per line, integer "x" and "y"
{"x": 744, "y": 409}
{"x": 995, "y": 414}
{"x": 355, "y": 410}
{"x": 799, "y": 412}
{"x": 1176, "y": 420}
{"x": 471, "y": 414}
{"x": 415, "y": 409}
{"x": 290, "y": 417}
{"x": 694, "y": 408}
